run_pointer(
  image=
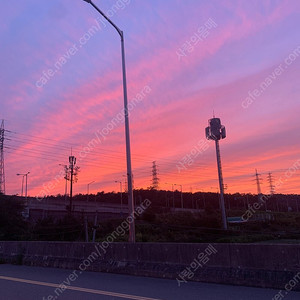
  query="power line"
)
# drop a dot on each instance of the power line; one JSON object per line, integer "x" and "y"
{"x": 87, "y": 161}
{"x": 35, "y": 140}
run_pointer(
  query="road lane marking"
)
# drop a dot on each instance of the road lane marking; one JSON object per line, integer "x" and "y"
{"x": 75, "y": 288}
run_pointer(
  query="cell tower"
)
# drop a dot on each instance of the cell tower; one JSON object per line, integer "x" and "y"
{"x": 155, "y": 179}
{"x": 2, "y": 174}
{"x": 215, "y": 131}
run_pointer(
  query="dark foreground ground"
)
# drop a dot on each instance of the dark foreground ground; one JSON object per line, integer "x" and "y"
{"x": 30, "y": 283}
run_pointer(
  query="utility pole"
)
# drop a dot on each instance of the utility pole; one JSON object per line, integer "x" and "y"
{"x": 66, "y": 184}
{"x": 95, "y": 227}
{"x": 86, "y": 229}
{"x": 215, "y": 131}
{"x": 72, "y": 161}
{"x": 2, "y": 173}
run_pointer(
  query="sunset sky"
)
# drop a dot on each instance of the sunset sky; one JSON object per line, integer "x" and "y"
{"x": 61, "y": 87}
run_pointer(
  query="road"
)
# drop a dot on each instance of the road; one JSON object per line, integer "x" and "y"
{"x": 31, "y": 283}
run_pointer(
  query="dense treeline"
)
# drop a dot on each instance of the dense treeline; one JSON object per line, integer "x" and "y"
{"x": 199, "y": 200}
{"x": 159, "y": 223}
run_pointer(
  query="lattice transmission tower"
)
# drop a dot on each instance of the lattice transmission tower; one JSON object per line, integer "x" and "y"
{"x": 155, "y": 179}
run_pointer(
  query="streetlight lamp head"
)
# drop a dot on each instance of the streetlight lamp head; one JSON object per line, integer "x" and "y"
{"x": 88, "y": 1}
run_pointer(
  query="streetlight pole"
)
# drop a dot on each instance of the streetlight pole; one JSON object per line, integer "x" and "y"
{"x": 88, "y": 190}
{"x": 26, "y": 187}
{"x": 128, "y": 153}
{"x": 24, "y": 175}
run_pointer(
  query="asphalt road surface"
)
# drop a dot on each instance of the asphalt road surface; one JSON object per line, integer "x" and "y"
{"x": 31, "y": 283}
